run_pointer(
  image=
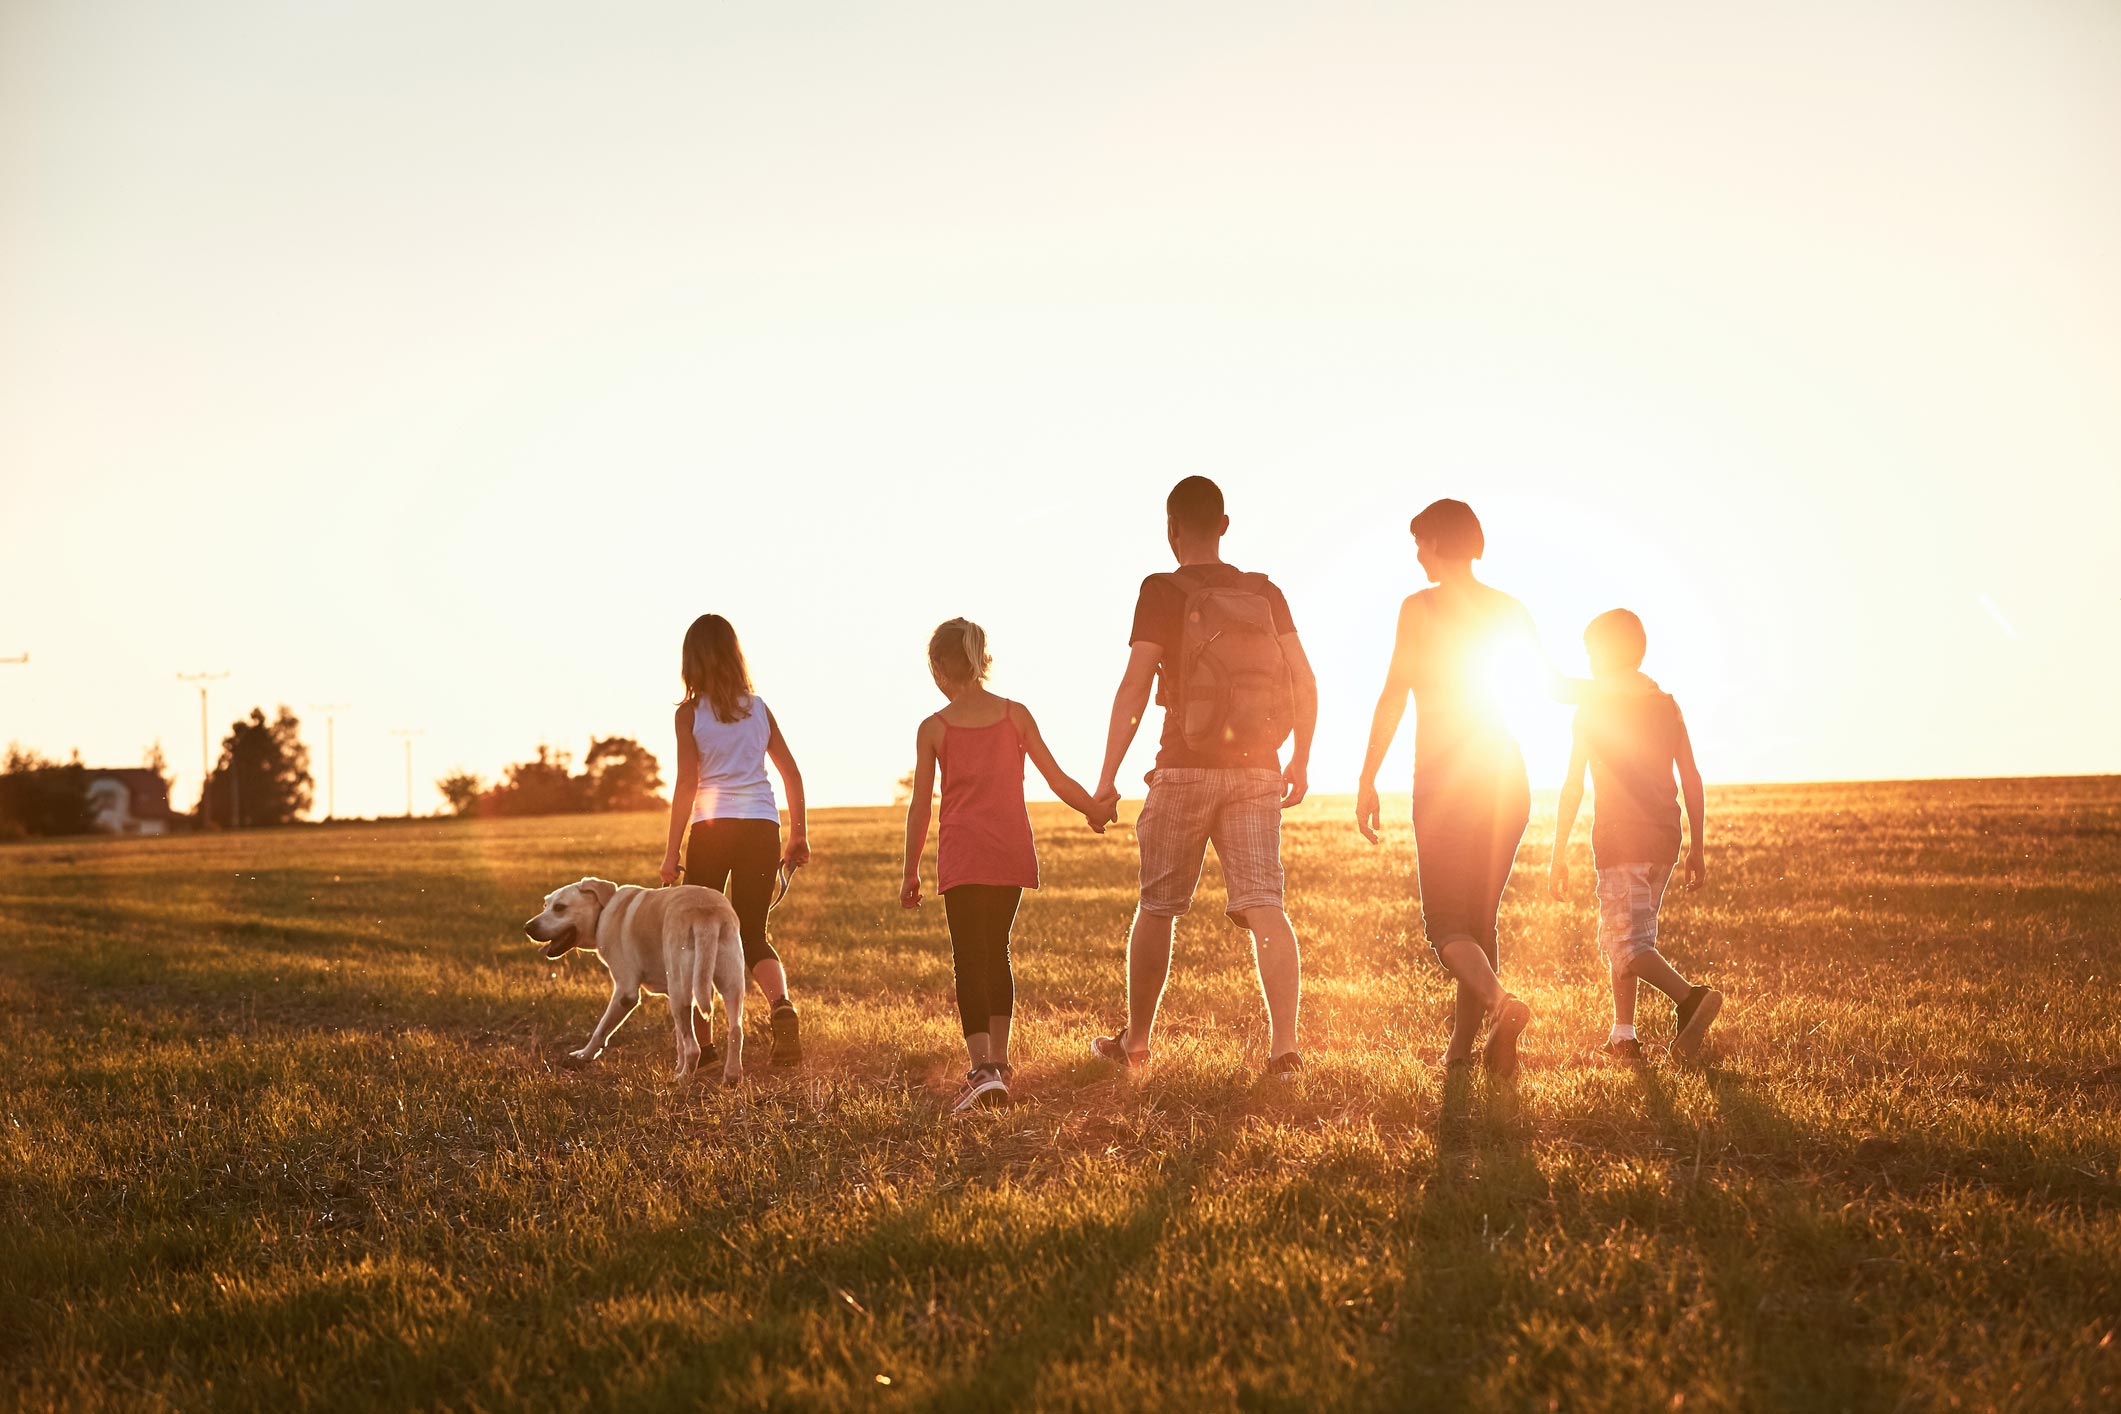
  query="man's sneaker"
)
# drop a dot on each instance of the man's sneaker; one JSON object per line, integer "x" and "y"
{"x": 787, "y": 1034}
{"x": 1284, "y": 1066}
{"x": 1500, "y": 1053}
{"x": 1114, "y": 1048}
{"x": 984, "y": 1089}
{"x": 1627, "y": 1051}
{"x": 1696, "y": 1015}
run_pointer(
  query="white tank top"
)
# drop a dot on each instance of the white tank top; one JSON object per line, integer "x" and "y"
{"x": 732, "y": 783}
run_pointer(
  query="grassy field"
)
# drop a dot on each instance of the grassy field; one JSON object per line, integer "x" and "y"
{"x": 283, "y": 1124}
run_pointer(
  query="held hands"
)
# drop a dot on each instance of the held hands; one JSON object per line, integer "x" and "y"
{"x": 1697, "y": 869}
{"x": 1558, "y": 877}
{"x": 1106, "y": 799}
{"x": 1296, "y": 779}
{"x": 1366, "y": 810}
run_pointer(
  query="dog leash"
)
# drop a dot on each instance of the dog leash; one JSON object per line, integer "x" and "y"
{"x": 783, "y": 874}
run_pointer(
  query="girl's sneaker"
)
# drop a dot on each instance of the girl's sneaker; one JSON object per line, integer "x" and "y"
{"x": 984, "y": 1089}
{"x": 1114, "y": 1048}
{"x": 787, "y": 1034}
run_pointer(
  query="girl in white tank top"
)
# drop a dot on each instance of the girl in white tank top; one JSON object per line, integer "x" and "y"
{"x": 725, "y": 826}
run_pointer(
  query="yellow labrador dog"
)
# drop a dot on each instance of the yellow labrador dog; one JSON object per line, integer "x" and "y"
{"x": 680, "y": 941}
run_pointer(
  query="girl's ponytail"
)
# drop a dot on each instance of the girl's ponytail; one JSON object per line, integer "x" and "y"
{"x": 957, "y": 653}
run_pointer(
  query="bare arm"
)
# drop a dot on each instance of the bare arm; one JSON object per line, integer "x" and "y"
{"x": 919, "y": 808}
{"x": 1697, "y": 868}
{"x": 682, "y": 791}
{"x": 797, "y": 853}
{"x": 1296, "y": 776}
{"x": 1565, "y": 821}
{"x": 1384, "y": 721}
{"x": 1063, "y": 785}
{"x": 1128, "y": 704}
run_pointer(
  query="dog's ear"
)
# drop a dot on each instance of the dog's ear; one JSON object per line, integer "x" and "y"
{"x": 602, "y": 890}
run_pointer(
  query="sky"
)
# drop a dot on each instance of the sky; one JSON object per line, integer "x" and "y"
{"x": 446, "y": 360}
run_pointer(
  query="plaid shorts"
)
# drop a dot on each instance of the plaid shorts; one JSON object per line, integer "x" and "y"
{"x": 1237, "y": 808}
{"x": 1628, "y": 896}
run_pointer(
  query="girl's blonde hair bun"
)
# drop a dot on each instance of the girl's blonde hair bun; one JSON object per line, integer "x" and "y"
{"x": 957, "y": 653}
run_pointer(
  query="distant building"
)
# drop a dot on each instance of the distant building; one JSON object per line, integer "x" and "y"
{"x": 130, "y": 800}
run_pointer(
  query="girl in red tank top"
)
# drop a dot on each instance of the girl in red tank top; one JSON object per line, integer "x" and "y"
{"x": 984, "y": 855}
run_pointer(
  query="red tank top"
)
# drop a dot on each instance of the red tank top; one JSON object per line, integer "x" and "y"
{"x": 985, "y": 835}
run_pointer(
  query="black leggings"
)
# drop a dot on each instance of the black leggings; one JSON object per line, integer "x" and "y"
{"x": 739, "y": 858}
{"x": 981, "y": 916}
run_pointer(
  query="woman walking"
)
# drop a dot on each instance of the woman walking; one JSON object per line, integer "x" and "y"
{"x": 726, "y": 735}
{"x": 1471, "y": 795}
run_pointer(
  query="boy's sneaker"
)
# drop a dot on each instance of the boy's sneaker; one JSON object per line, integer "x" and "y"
{"x": 1627, "y": 1050}
{"x": 984, "y": 1089}
{"x": 1499, "y": 1055}
{"x": 1114, "y": 1048}
{"x": 1284, "y": 1066}
{"x": 1696, "y": 1015}
{"x": 787, "y": 1034}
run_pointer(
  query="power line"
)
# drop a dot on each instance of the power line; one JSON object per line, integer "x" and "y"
{"x": 206, "y": 770}
{"x": 408, "y": 733}
{"x": 331, "y": 754}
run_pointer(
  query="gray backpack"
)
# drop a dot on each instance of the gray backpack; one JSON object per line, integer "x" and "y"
{"x": 1226, "y": 677}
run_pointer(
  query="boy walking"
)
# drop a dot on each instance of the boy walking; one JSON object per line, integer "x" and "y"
{"x": 1629, "y": 733}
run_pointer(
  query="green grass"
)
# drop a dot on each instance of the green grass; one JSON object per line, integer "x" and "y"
{"x": 283, "y": 1125}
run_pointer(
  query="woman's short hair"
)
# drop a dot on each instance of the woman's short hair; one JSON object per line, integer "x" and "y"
{"x": 957, "y": 653}
{"x": 1452, "y": 528}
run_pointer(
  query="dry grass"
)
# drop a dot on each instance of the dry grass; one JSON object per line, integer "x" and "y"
{"x": 282, "y": 1126}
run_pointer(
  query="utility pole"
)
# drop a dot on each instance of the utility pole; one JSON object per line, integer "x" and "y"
{"x": 331, "y": 754}
{"x": 408, "y": 733}
{"x": 205, "y": 767}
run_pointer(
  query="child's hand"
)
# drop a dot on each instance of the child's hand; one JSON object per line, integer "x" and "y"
{"x": 909, "y": 894}
{"x": 1697, "y": 869}
{"x": 1558, "y": 879}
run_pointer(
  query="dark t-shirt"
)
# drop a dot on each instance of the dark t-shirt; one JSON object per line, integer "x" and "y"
{"x": 1160, "y": 618}
{"x": 1632, "y": 740}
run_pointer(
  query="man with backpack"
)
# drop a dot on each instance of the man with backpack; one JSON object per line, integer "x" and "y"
{"x": 1220, "y": 647}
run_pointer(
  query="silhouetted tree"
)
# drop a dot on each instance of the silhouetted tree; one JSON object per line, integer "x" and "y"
{"x": 540, "y": 787}
{"x": 462, "y": 790}
{"x": 621, "y": 774}
{"x": 40, "y": 796}
{"x": 263, "y": 775}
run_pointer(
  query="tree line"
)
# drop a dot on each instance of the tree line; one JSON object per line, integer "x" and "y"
{"x": 262, "y": 778}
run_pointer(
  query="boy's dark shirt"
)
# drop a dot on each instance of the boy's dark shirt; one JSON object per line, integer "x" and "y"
{"x": 1632, "y": 739}
{"x": 1160, "y": 618}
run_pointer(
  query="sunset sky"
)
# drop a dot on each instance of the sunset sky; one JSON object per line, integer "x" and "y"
{"x": 446, "y": 359}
